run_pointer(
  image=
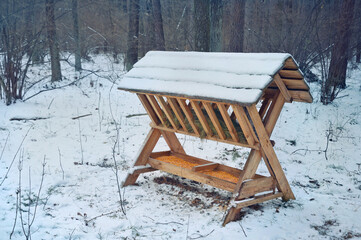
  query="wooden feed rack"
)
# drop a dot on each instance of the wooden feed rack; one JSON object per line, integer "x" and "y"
{"x": 236, "y": 123}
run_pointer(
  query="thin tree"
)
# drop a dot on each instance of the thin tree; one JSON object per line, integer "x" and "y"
{"x": 158, "y": 24}
{"x": 339, "y": 55}
{"x": 201, "y": 22}
{"x": 77, "y": 52}
{"x": 52, "y": 41}
{"x": 133, "y": 35}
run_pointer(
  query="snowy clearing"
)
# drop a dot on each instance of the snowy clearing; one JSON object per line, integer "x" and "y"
{"x": 74, "y": 129}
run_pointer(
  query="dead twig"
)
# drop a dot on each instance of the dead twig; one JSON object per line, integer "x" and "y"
{"x": 187, "y": 227}
{"x": 54, "y": 88}
{"x": 28, "y": 119}
{"x": 81, "y": 144}
{"x": 242, "y": 229}
{"x": 81, "y": 116}
{"x": 202, "y": 236}
{"x": 101, "y": 215}
{"x": 6, "y": 141}
{"x": 61, "y": 165}
{"x": 17, "y": 151}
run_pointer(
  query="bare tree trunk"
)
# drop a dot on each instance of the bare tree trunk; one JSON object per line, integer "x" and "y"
{"x": 74, "y": 10}
{"x": 201, "y": 18}
{"x": 125, "y": 7}
{"x": 158, "y": 24}
{"x": 149, "y": 26}
{"x": 237, "y": 26}
{"x": 338, "y": 65}
{"x": 133, "y": 35}
{"x": 357, "y": 30}
{"x": 52, "y": 41}
{"x": 216, "y": 14}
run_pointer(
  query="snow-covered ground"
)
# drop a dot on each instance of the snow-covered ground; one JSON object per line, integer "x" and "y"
{"x": 79, "y": 196}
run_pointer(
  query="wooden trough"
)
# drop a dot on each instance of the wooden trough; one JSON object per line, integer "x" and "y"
{"x": 214, "y": 96}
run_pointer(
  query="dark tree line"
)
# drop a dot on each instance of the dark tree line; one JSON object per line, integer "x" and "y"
{"x": 326, "y": 34}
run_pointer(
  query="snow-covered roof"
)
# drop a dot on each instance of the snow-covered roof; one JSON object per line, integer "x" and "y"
{"x": 227, "y": 77}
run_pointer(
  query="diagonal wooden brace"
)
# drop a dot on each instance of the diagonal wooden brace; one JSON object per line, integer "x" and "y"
{"x": 269, "y": 152}
{"x": 147, "y": 148}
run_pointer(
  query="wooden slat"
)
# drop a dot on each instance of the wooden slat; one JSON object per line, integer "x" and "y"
{"x": 160, "y": 154}
{"x": 295, "y": 84}
{"x": 188, "y": 113}
{"x": 290, "y": 64}
{"x": 190, "y": 159}
{"x": 202, "y": 119}
{"x": 282, "y": 87}
{"x": 274, "y": 112}
{"x": 242, "y": 120}
{"x": 205, "y": 167}
{"x": 167, "y": 111}
{"x": 270, "y": 153}
{"x": 189, "y": 174}
{"x": 301, "y": 96}
{"x": 252, "y": 187}
{"x": 214, "y": 120}
{"x": 157, "y": 109}
{"x": 298, "y": 96}
{"x": 265, "y": 104}
{"x": 290, "y": 74}
{"x": 223, "y": 110}
{"x": 148, "y": 107}
{"x": 177, "y": 111}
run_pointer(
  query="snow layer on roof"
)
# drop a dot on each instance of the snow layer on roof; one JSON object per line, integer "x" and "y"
{"x": 236, "y": 77}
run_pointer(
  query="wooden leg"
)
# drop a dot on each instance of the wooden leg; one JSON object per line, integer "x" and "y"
{"x": 231, "y": 215}
{"x": 173, "y": 142}
{"x": 266, "y": 146}
{"x": 249, "y": 169}
{"x": 147, "y": 148}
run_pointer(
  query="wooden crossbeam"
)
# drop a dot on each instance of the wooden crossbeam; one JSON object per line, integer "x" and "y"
{"x": 297, "y": 95}
{"x": 205, "y": 167}
{"x": 252, "y": 187}
{"x": 256, "y": 146}
{"x": 235, "y": 210}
